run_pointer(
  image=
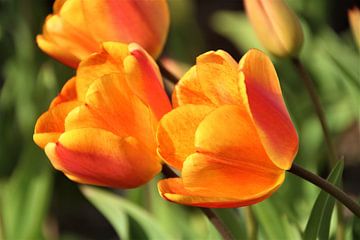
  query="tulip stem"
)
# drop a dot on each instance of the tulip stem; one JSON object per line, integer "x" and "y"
{"x": 166, "y": 73}
{"x": 210, "y": 214}
{"x": 318, "y": 107}
{"x": 326, "y": 186}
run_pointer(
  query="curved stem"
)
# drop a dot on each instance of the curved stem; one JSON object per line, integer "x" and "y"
{"x": 166, "y": 73}
{"x": 213, "y": 218}
{"x": 318, "y": 107}
{"x": 326, "y": 186}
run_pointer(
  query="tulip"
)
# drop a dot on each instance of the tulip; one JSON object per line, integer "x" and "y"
{"x": 229, "y": 135}
{"x": 276, "y": 26}
{"x": 354, "y": 19}
{"x": 77, "y": 27}
{"x": 101, "y": 128}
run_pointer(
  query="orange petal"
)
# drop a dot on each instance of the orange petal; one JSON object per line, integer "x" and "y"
{"x": 68, "y": 93}
{"x": 268, "y": 109}
{"x": 172, "y": 189}
{"x": 50, "y": 124}
{"x": 188, "y": 90}
{"x": 216, "y": 79}
{"x": 212, "y": 176}
{"x": 144, "y": 22}
{"x": 57, "y": 52}
{"x": 111, "y": 105}
{"x": 144, "y": 79}
{"x": 229, "y": 133}
{"x": 95, "y": 156}
{"x": 109, "y": 60}
{"x": 176, "y": 131}
{"x": 64, "y": 42}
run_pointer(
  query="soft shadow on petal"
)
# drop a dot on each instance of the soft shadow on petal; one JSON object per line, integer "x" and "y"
{"x": 176, "y": 132}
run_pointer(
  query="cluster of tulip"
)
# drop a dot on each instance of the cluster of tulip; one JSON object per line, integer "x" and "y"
{"x": 227, "y": 132}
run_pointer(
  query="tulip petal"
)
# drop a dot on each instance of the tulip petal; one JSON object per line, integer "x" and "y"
{"x": 109, "y": 60}
{"x": 212, "y": 176}
{"x": 188, "y": 90}
{"x": 68, "y": 93}
{"x": 57, "y": 52}
{"x": 172, "y": 189}
{"x": 144, "y": 22}
{"x": 110, "y": 105}
{"x": 95, "y": 156}
{"x": 229, "y": 133}
{"x": 216, "y": 79}
{"x": 64, "y": 42}
{"x": 144, "y": 79}
{"x": 50, "y": 124}
{"x": 176, "y": 131}
{"x": 267, "y": 107}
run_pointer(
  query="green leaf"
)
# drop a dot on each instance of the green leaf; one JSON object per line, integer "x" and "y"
{"x": 236, "y": 27}
{"x": 318, "y": 224}
{"x": 26, "y": 196}
{"x": 266, "y": 213}
{"x": 233, "y": 220}
{"x": 114, "y": 207}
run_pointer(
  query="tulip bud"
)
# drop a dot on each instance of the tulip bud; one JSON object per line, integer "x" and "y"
{"x": 354, "y": 19}
{"x": 78, "y": 27}
{"x": 276, "y": 25}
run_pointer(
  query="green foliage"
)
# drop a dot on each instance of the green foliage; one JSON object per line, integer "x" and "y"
{"x": 319, "y": 221}
{"x": 112, "y": 206}
{"x": 31, "y": 80}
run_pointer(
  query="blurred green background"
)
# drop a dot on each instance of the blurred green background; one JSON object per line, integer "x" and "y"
{"x": 36, "y": 202}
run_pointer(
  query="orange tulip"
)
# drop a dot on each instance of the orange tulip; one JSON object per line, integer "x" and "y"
{"x": 77, "y": 27}
{"x": 230, "y": 134}
{"x": 101, "y": 128}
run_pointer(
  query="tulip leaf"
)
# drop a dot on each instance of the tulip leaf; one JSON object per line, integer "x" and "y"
{"x": 318, "y": 224}
{"x": 114, "y": 207}
{"x": 233, "y": 220}
{"x": 26, "y": 196}
{"x": 266, "y": 213}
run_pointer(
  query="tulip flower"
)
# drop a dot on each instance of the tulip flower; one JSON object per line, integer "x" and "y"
{"x": 77, "y": 27}
{"x": 101, "y": 128}
{"x": 354, "y": 19}
{"x": 276, "y": 26}
{"x": 229, "y": 135}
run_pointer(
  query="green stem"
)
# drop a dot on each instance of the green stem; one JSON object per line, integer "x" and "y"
{"x": 326, "y": 186}
{"x": 320, "y": 113}
{"x": 318, "y": 108}
{"x": 213, "y": 218}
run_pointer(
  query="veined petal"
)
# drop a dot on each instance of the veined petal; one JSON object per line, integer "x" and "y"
{"x": 95, "y": 156}
{"x": 229, "y": 133}
{"x": 274, "y": 126}
{"x": 144, "y": 79}
{"x": 188, "y": 90}
{"x": 109, "y": 60}
{"x": 176, "y": 132}
{"x": 215, "y": 79}
{"x": 50, "y": 124}
{"x": 110, "y": 105}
